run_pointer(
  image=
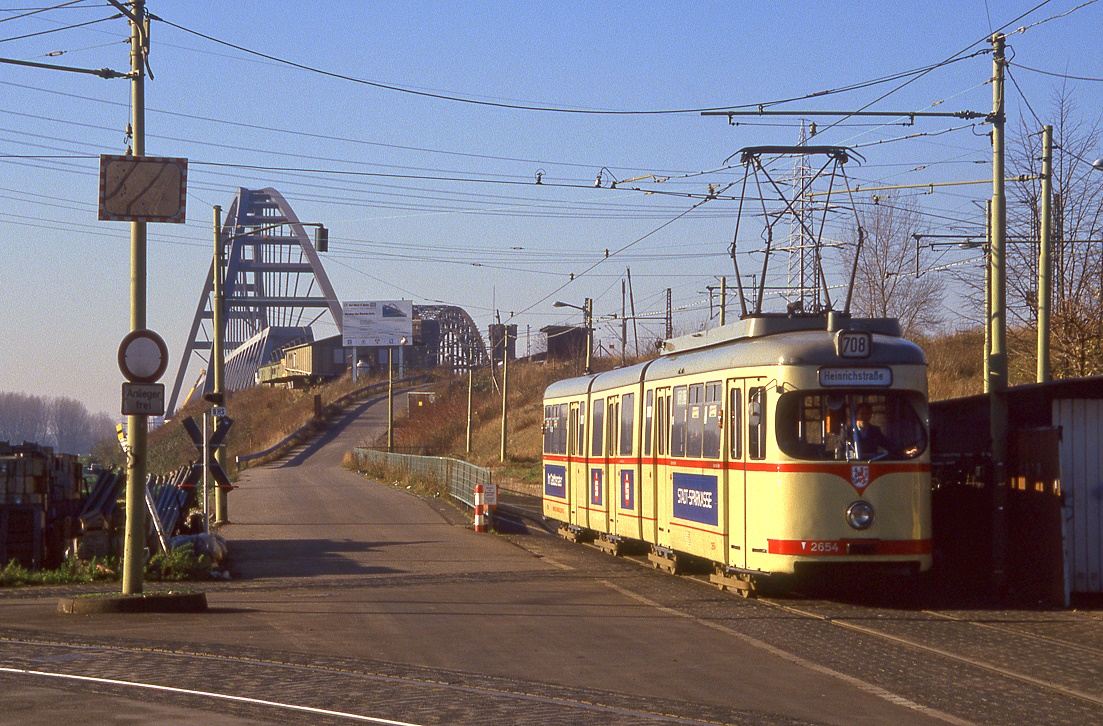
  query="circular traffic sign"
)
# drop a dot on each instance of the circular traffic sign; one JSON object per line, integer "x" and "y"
{"x": 143, "y": 356}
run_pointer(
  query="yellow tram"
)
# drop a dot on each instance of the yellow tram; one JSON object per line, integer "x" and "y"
{"x": 777, "y": 445}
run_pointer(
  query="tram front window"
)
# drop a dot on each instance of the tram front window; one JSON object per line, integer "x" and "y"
{"x": 843, "y": 426}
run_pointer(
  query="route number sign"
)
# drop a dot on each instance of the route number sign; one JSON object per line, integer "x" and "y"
{"x": 853, "y": 343}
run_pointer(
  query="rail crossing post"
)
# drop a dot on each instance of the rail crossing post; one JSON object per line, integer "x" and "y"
{"x": 137, "y": 426}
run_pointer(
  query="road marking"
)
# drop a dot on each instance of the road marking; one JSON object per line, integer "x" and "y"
{"x": 209, "y": 694}
{"x": 485, "y": 691}
{"x": 797, "y": 660}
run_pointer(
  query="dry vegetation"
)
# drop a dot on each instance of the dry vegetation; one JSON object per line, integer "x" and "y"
{"x": 263, "y": 416}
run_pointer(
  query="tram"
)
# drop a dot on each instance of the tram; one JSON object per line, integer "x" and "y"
{"x": 774, "y": 447}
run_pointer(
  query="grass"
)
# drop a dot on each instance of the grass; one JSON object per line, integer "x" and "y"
{"x": 422, "y": 485}
{"x": 177, "y": 565}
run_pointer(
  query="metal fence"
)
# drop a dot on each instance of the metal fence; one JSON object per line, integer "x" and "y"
{"x": 458, "y": 476}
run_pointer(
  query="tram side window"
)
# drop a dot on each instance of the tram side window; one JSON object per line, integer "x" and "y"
{"x": 695, "y": 425}
{"x": 548, "y": 433}
{"x": 756, "y": 422}
{"x": 561, "y": 429}
{"x": 613, "y": 420}
{"x": 598, "y": 426}
{"x": 581, "y": 449}
{"x": 572, "y": 430}
{"x": 627, "y": 419}
{"x": 648, "y": 422}
{"x": 714, "y": 398}
{"x": 663, "y": 417}
{"x": 679, "y": 411}
{"x": 735, "y": 429}
{"x": 555, "y": 429}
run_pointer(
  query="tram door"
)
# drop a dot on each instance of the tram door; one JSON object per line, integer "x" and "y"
{"x": 609, "y": 479}
{"x": 593, "y": 485}
{"x": 736, "y": 456}
{"x": 576, "y": 454}
{"x": 657, "y": 471}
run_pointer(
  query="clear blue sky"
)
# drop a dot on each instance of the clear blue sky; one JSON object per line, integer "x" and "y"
{"x": 480, "y": 243}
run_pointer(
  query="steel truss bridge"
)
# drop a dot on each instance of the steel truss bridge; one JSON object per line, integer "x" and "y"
{"x": 276, "y": 289}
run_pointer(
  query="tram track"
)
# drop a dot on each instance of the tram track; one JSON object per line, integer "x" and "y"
{"x": 1087, "y": 649}
{"x": 843, "y": 622}
{"x": 511, "y": 702}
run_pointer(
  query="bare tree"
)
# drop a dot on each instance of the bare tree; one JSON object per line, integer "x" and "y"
{"x": 886, "y": 284}
{"x": 23, "y": 418}
{"x": 62, "y": 423}
{"x": 1076, "y": 234}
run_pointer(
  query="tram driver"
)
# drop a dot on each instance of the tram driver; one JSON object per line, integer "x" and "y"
{"x": 869, "y": 439}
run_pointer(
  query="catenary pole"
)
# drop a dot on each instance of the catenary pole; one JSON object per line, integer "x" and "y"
{"x": 505, "y": 391}
{"x": 218, "y": 355}
{"x": 470, "y": 390}
{"x": 997, "y": 367}
{"x": 137, "y": 426}
{"x": 390, "y": 399}
{"x": 1045, "y": 270}
{"x": 588, "y": 319}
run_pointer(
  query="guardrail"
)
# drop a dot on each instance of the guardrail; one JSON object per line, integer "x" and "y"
{"x": 344, "y": 400}
{"x": 459, "y": 477}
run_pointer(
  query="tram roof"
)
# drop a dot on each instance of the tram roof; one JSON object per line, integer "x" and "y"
{"x": 767, "y": 340}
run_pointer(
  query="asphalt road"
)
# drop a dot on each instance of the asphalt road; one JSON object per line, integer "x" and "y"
{"x": 355, "y": 600}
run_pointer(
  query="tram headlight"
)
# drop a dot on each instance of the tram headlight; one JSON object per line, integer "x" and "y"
{"x": 860, "y": 515}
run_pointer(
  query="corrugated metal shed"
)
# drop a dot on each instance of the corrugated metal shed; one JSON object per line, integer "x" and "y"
{"x": 1081, "y": 425}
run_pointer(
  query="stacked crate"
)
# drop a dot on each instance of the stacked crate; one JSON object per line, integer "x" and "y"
{"x": 24, "y": 494}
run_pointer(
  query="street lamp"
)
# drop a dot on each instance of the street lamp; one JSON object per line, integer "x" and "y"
{"x": 587, "y": 309}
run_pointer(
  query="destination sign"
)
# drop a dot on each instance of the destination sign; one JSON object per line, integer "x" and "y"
{"x": 873, "y": 377}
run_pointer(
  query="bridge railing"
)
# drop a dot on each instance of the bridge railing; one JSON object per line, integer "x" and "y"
{"x": 459, "y": 477}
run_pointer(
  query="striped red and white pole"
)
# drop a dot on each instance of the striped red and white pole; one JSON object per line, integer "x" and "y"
{"x": 480, "y": 508}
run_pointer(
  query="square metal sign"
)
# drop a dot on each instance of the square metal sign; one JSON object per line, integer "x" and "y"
{"x": 143, "y": 188}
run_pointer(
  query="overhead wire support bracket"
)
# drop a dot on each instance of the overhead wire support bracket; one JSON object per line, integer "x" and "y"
{"x": 912, "y": 115}
{"x": 101, "y": 72}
